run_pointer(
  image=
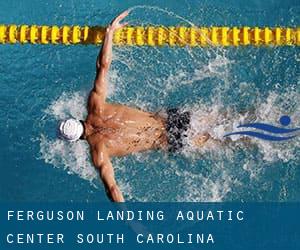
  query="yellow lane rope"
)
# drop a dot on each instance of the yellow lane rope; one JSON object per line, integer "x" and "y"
{"x": 152, "y": 35}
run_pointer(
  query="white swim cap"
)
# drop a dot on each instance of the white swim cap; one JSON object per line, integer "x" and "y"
{"x": 70, "y": 130}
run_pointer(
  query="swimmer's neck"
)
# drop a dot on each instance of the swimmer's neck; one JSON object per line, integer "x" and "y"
{"x": 88, "y": 130}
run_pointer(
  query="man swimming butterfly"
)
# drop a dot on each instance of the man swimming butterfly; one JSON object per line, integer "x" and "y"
{"x": 117, "y": 130}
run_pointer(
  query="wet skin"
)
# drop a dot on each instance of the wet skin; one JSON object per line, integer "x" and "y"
{"x": 118, "y": 130}
{"x": 123, "y": 130}
{"x": 112, "y": 129}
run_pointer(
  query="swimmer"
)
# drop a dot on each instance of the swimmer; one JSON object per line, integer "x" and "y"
{"x": 114, "y": 130}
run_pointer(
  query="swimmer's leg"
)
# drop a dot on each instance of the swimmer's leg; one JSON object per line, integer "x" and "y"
{"x": 200, "y": 140}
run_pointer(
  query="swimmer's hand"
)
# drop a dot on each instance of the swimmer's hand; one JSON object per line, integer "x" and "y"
{"x": 115, "y": 24}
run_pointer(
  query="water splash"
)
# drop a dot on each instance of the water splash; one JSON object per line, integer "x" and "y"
{"x": 192, "y": 184}
{"x": 211, "y": 84}
{"x": 74, "y": 158}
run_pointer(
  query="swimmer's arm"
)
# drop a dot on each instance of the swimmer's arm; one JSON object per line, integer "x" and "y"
{"x": 103, "y": 164}
{"x": 105, "y": 56}
{"x": 102, "y": 65}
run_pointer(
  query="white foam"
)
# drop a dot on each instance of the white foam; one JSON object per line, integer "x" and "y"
{"x": 213, "y": 116}
{"x": 217, "y": 121}
{"x": 271, "y": 110}
{"x": 200, "y": 188}
{"x": 72, "y": 157}
{"x": 68, "y": 105}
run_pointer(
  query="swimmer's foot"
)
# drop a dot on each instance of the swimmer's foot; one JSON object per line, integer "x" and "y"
{"x": 200, "y": 140}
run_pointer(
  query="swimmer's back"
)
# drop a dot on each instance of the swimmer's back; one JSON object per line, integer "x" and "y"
{"x": 126, "y": 130}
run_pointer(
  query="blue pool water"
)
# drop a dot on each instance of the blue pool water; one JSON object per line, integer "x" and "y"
{"x": 42, "y": 84}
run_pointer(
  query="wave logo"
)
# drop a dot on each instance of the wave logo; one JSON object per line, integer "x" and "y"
{"x": 279, "y": 133}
